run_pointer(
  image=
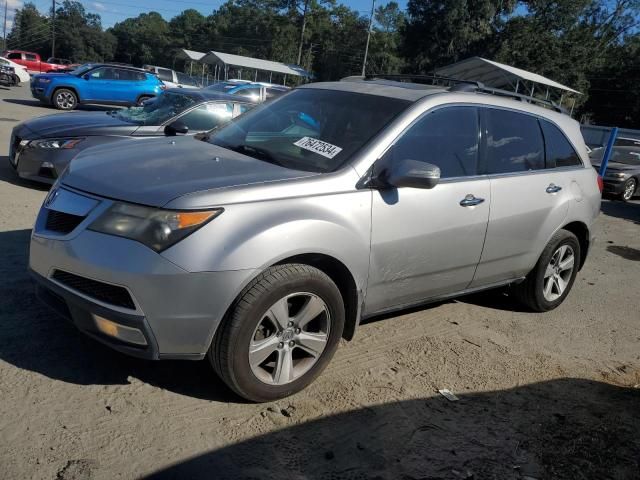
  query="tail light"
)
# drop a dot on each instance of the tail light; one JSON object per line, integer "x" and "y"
{"x": 600, "y": 184}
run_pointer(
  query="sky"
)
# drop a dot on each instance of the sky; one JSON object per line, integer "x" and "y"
{"x": 113, "y": 11}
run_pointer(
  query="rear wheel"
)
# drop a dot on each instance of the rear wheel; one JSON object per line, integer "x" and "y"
{"x": 64, "y": 99}
{"x": 142, "y": 99}
{"x": 549, "y": 283}
{"x": 281, "y": 333}
{"x": 629, "y": 189}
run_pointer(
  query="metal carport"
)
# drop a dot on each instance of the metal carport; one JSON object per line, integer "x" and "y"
{"x": 499, "y": 75}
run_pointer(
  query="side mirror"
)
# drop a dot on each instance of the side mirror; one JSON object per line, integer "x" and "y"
{"x": 413, "y": 174}
{"x": 176, "y": 128}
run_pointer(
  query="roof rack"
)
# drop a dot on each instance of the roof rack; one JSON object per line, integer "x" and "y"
{"x": 410, "y": 78}
{"x": 460, "y": 85}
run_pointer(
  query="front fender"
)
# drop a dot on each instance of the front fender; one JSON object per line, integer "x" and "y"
{"x": 257, "y": 235}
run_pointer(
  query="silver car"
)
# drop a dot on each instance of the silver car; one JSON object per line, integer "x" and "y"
{"x": 263, "y": 244}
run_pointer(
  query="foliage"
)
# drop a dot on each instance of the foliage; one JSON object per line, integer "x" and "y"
{"x": 591, "y": 45}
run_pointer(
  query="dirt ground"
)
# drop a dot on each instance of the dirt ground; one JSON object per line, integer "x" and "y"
{"x": 542, "y": 396}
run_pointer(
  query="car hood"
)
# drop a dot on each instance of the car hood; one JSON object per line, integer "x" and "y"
{"x": 155, "y": 171}
{"x": 77, "y": 124}
{"x": 615, "y": 166}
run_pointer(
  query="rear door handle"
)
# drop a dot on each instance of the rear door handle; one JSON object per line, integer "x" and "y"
{"x": 553, "y": 188}
{"x": 470, "y": 201}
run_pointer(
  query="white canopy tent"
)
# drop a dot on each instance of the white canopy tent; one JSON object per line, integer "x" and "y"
{"x": 223, "y": 61}
{"x": 499, "y": 75}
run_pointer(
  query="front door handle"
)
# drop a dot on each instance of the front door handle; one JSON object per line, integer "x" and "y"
{"x": 553, "y": 188}
{"x": 471, "y": 201}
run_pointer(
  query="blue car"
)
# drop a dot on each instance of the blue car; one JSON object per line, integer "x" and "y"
{"x": 96, "y": 83}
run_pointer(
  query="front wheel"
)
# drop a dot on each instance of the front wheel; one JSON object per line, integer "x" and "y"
{"x": 550, "y": 281}
{"x": 629, "y": 190}
{"x": 142, "y": 99}
{"x": 281, "y": 333}
{"x": 64, "y": 99}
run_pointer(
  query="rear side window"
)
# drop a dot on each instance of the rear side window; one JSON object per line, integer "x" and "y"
{"x": 447, "y": 137}
{"x": 165, "y": 75}
{"x": 560, "y": 152}
{"x": 514, "y": 142}
{"x": 30, "y": 56}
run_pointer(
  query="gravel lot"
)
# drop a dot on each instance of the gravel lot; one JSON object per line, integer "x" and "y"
{"x": 542, "y": 396}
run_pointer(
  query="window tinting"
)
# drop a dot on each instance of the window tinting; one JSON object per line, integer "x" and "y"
{"x": 208, "y": 116}
{"x": 165, "y": 75}
{"x": 103, "y": 74}
{"x": 514, "y": 142}
{"x": 14, "y": 56}
{"x": 447, "y": 137}
{"x": 560, "y": 153}
{"x": 31, "y": 57}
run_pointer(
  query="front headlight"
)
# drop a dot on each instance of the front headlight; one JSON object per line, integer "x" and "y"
{"x": 155, "y": 228}
{"x": 55, "y": 143}
{"x": 617, "y": 175}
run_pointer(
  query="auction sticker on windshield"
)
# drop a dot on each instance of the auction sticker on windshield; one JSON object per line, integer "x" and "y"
{"x": 318, "y": 146}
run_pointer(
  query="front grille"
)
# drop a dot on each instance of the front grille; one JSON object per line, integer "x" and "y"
{"x": 62, "y": 222}
{"x": 104, "y": 292}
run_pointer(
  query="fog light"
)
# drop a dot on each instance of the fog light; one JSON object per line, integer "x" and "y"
{"x": 46, "y": 165}
{"x": 121, "y": 332}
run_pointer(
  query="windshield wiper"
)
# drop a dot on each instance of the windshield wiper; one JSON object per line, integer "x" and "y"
{"x": 255, "y": 152}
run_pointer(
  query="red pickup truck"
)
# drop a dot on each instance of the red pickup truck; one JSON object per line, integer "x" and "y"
{"x": 32, "y": 61}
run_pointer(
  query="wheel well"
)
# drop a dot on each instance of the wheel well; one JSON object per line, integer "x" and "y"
{"x": 581, "y": 231}
{"x": 342, "y": 277}
{"x": 65, "y": 88}
{"x": 144, "y": 95}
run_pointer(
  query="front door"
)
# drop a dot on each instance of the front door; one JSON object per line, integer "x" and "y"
{"x": 427, "y": 243}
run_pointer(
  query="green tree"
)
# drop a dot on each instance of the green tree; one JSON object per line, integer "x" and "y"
{"x": 30, "y": 31}
{"x": 384, "y": 56}
{"x": 143, "y": 39}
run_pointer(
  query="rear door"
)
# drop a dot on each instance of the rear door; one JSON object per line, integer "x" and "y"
{"x": 427, "y": 243}
{"x": 529, "y": 201}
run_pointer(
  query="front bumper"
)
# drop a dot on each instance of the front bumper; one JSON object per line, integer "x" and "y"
{"x": 41, "y": 165}
{"x": 614, "y": 187}
{"x": 178, "y": 311}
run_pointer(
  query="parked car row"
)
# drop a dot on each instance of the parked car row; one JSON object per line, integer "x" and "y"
{"x": 33, "y": 62}
{"x": 261, "y": 243}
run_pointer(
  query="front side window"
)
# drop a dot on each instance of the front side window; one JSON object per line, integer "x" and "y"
{"x": 14, "y": 56}
{"x": 158, "y": 111}
{"x": 447, "y": 138}
{"x": 309, "y": 129}
{"x": 560, "y": 152}
{"x": 514, "y": 142}
{"x": 103, "y": 74}
{"x": 252, "y": 93}
{"x": 208, "y": 116}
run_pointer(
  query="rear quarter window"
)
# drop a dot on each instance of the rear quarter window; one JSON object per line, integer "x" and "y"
{"x": 559, "y": 151}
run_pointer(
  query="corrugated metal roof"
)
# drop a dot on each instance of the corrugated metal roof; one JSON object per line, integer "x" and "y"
{"x": 190, "y": 55}
{"x": 495, "y": 74}
{"x": 254, "y": 63}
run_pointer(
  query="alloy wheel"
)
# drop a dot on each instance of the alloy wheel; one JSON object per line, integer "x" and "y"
{"x": 289, "y": 338}
{"x": 65, "y": 100}
{"x": 558, "y": 273}
{"x": 629, "y": 189}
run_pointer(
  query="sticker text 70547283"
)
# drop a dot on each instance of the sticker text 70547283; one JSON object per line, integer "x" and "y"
{"x": 318, "y": 146}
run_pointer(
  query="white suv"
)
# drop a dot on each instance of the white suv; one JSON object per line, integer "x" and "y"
{"x": 173, "y": 79}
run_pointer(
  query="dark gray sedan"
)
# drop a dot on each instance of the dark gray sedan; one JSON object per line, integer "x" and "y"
{"x": 41, "y": 148}
{"x": 622, "y": 177}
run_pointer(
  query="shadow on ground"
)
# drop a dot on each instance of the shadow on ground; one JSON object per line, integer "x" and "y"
{"x": 625, "y": 210}
{"x": 34, "y": 338}
{"x": 561, "y": 429}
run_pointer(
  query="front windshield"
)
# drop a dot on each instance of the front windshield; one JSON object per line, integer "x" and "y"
{"x": 81, "y": 70}
{"x": 626, "y": 156}
{"x": 157, "y": 111}
{"x": 309, "y": 129}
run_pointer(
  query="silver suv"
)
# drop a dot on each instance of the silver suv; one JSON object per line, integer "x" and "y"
{"x": 262, "y": 244}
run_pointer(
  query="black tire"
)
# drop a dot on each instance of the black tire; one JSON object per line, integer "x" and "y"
{"x": 630, "y": 185}
{"x": 531, "y": 291}
{"x": 229, "y": 352}
{"x": 142, "y": 99}
{"x": 64, "y": 99}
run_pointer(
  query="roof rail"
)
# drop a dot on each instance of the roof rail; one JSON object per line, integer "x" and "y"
{"x": 421, "y": 78}
{"x": 516, "y": 96}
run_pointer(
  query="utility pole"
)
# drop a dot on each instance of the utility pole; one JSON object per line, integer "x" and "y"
{"x": 4, "y": 31}
{"x": 304, "y": 26}
{"x": 366, "y": 48}
{"x": 53, "y": 28}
